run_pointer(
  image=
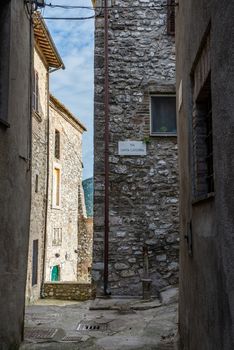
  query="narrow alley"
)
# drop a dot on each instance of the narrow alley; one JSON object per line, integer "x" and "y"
{"x": 116, "y": 175}
{"x": 103, "y": 324}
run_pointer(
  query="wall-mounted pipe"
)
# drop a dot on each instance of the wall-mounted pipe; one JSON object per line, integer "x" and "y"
{"x": 107, "y": 121}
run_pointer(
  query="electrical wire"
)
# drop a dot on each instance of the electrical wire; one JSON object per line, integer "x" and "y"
{"x": 70, "y": 18}
{"x": 114, "y": 7}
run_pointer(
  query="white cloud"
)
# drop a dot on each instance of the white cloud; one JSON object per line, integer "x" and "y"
{"x": 74, "y": 86}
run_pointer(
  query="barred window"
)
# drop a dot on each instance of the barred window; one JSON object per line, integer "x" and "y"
{"x": 57, "y": 237}
{"x": 171, "y": 17}
{"x": 203, "y": 169}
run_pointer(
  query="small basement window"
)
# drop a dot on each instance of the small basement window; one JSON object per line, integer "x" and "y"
{"x": 163, "y": 115}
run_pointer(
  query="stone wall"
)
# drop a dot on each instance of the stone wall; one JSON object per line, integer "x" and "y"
{"x": 69, "y": 291}
{"x": 85, "y": 249}
{"x": 15, "y": 174}
{"x": 63, "y": 218}
{"x": 143, "y": 189}
{"x": 39, "y": 176}
{"x": 206, "y": 311}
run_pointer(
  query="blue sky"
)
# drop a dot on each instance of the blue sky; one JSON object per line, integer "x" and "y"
{"x": 74, "y": 85}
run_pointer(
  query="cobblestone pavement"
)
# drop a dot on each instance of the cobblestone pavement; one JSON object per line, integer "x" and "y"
{"x": 102, "y": 324}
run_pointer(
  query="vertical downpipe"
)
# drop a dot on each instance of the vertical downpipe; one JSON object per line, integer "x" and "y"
{"x": 107, "y": 119}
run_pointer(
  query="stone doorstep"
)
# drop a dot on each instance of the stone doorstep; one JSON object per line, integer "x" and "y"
{"x": 117, "y": 304}
{"x": 169, "y": 296}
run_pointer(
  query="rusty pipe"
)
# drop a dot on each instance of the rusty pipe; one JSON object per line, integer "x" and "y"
{"x": 107, "y": 132}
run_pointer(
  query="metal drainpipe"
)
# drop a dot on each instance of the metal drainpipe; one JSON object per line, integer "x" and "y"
{"x": 47, "y": 187}
{"x": 47, "y": 178}
{"x": 107, "y": 120}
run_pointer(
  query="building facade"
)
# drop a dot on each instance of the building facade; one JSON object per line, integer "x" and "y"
{"x": 45, "y": 58}
{"x": 142, "y": 155}
{"x": 15, "y": 174}
{"x": 205, "y": 85}
{"x": 65, "y": 195}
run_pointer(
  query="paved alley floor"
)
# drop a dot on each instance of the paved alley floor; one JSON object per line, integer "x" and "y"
{"x": 102, "y": 324}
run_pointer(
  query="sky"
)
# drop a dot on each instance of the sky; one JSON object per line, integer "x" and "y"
{"x": 74, "y": 85}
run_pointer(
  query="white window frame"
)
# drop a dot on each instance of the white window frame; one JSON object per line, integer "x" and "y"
{"x": 170, "y": 134}
{"x": 54, "y": 204}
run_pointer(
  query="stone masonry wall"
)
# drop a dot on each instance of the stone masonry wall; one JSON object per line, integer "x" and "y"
{"x": 143, "y": 189}
{"x": 39, "y": 169}
{"x": 69, "y": 291}
{"x": 85, "y": 240}
{"x": 63, "y": 252}
{"x": 85, "y": 249}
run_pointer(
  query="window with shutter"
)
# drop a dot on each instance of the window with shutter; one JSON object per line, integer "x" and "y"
{"x": 171, "y": 17}
{"x": 56, "y": 186}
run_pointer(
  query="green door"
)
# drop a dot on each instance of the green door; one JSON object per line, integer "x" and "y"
{"x": 55, "y": 273}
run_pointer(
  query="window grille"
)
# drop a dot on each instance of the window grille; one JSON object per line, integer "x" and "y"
{"x": 203, "y": 142}
{"x": 171, "y": 17}
{"x": 203, "y": 170}
{"x": 57, "y": 237}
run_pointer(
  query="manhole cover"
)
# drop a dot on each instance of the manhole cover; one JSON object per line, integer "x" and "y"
{"x": 91, "y": 326}
{"x": 71, "y": 338}
{"x": 35, "y": 333}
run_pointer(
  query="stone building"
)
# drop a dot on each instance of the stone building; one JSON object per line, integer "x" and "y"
{"x": 205, "y": 85}
{"x": 45, "y": 58}
{"x": 15, "y": 175}
{"x": 143, "y": 174}
{"x": 65, "y": 195}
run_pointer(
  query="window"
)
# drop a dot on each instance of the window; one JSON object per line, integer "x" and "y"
{"x": 163, "y": 115}
{"x": 56, "y": 186}
{"x": 35, "y": 262}
{"x": 35, "y": 93}
{"x": 203, "y": 142}
{"x": 171, "y": 17}
{"x": 5, "y": 36}
{"x": 36, "y": 183}
{"x": 203, "y": 172}
{"x": 57, "y": 144}
{"x": 57, "y": 237}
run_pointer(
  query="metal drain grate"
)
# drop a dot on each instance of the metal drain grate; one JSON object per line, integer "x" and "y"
{"x": 35, "y": 333}
{"x": 92, "y": 326}
{"x": 71, "y": 338}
